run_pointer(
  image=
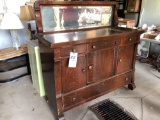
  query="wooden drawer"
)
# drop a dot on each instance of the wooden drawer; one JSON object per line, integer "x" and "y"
{"x": 129, "y": 39}
{"x": 122, "y": 80}
{"x": 95, "y": 90}
{"x": 76, "y": 48}
{"x": 103, "y": 44}
{"x": 87, "y": 93}
{"x": 71, "y": 99}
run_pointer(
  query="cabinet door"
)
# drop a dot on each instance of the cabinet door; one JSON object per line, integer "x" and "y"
{"x": 125, "y": 58}
{"x": 100, "y": 65}
{"x": 73, "y": 78}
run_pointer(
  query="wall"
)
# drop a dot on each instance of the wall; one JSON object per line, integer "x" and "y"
{"x": 150, "y": 12}
{"x": 5, "y": 37}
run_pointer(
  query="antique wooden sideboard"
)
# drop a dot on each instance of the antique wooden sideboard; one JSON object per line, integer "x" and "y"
{"x": 105, "y": 61}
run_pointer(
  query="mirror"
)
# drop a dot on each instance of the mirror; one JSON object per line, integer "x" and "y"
{"x": 55, "y": 18}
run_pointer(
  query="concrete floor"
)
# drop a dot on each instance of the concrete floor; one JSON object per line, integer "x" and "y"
{"x": 20, "y": 101}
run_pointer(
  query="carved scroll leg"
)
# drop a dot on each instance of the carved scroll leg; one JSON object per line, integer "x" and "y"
{"x": 61, "y": 117}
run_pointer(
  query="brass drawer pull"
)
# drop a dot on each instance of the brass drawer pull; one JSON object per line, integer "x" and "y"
{"x": 74, "y": 50}
{"x": 126, "y": 79}
{"x": 90, "y": 67}
{"x": 130, "y": 39}
{"x": 116, "y": 42}
{"x": 94, "y": 47}
{"x": 74, "y": 99}
{"x": 102, "y": 83}
{"x": 120, "y": 60}
{"x": 83, "y": 70}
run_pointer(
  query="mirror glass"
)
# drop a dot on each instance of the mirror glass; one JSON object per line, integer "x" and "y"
{"x": 55, "y": 18}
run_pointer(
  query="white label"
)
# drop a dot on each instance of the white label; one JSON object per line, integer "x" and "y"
{"x": 73, "y": 59}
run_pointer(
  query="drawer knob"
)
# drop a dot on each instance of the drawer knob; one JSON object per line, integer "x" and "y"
{"x": 120, "y": 60}
{"x": 102, "y": 83}
{"x": 94, "y": 47}
{"x": 74, "y": 50}
{"x": 126, "y": 79}
{"x": 130, "y": 39}
{"x": 90, "y": 67}
{"x": 116, "y": 42}
{"x": 74, "y": 99}
{"x": 83, "y": 70}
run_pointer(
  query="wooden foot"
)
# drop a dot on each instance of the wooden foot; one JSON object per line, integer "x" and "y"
{"x": 61, "y": 117}
{"x": 46, "y": 98}
{"x": 131, "y": 86}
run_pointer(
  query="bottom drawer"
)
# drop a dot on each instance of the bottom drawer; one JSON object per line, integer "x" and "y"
{"x": 122, "y": 80}
{"x": 95, "y": 90}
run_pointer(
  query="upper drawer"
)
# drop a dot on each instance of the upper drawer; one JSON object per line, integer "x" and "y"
{"x": 129, "y": 39}
{"x": 103, "y": 44}
{"x": 76, "y": 48}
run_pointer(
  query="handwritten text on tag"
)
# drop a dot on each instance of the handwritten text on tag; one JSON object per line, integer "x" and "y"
{"x": 73, "y": 59}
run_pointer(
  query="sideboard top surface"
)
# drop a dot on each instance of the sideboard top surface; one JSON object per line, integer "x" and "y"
{"x": 55, "y": 40}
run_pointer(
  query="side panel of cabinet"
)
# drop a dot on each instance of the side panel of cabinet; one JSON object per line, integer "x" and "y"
{"x": 73, "y": 78}
{"x": 125, "y": 58}
{"x": 100, "y": 64}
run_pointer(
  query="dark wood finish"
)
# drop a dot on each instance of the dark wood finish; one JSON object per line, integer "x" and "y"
{"x": 95, "y": 90}
{"x": 125, "y": 60}
{"x": 73, "y": 78}
{"x": 96, "y": 68}
{"x": 77, "y": 48}
{"x": 100, "y": 69}
{"x": 106, "y": 62}
{"x": 94, "y": 46}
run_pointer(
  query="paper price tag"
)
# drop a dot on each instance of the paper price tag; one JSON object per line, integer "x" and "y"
{"x": 73, "y": 59}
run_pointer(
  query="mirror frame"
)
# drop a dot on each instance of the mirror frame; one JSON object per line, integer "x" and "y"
{"x": 38, "y": 16}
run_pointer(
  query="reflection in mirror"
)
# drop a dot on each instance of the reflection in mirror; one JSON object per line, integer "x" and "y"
{"x": 74, "y": 17}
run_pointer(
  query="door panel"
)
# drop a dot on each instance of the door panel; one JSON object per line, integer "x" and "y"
{"x": 73, "y": 78}
{"x": 125, "y": 58}
{"x": 100, "y": 64}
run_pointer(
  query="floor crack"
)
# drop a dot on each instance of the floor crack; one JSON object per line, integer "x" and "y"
{"x": 13, "y": 101}
{"x": 151, "y": 93}
{"x": 84, "y": 114}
